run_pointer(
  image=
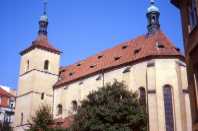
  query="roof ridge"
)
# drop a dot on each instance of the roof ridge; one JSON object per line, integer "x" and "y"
{"x": 103, "y": 51}
{"x": 147, "y": 49}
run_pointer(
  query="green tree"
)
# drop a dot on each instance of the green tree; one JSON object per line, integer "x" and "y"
{"x": 111, "y": 108}
{"x": 43, "y": 117}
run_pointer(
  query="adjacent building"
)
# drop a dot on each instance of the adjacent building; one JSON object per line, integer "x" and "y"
{"x": 189, "y": 17}
{"x": 7, "y": 105}
{"x": 149, "y": 64}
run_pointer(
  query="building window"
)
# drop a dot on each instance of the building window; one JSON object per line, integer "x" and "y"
{"x": 21, "y": 118}
{"x": 168, "y": 106}
{"x": 74, "y": 105}
{"x": 46, "y": 65}
{"x": 192, "y": 14}
{"x": 42, "y": 96}
{"x": 11, "y": 102}
{"x": 142, "y": 98}
{"x": 27, "y": 65}
{"x": 59, "y": 109}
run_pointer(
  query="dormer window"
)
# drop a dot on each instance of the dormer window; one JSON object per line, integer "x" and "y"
{"x": 124, "y": 47}
{"x": 71, "y": 73}
{"x": 136, "y": 51}
{"x": 92, "y": 66}
{"x": 117, "y": 58}
{"x": 78, "y": 64}
{"x": 46, "y": 65}
{"x": 159, "y": 45}
{"x": 100, "y": 56}
{"x": 177, "y": 49}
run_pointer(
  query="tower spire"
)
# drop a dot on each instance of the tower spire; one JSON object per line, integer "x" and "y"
{"x": 153, "y": 14}
{"x": 43, "y": 22}
{"x": 45, "y": 7}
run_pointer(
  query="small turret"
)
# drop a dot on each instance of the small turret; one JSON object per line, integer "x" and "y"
{"x": 43, "y": 22}
{"x": 153, "y": 14}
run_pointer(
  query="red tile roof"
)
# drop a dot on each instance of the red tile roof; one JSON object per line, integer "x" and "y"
{"x": 142, "y": 48}
{"x": 42, "y": 43}
{"x": 5, "y": 93}
{"x": 4, "y": 98}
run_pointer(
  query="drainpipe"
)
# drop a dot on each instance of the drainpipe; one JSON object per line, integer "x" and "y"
{"x": 147, "y": 109}
{"x": 103, "y": 83}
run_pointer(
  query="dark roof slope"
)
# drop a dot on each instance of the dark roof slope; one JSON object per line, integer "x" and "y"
{"x": 141, "y": 48}
{"x": 42, "y": 43}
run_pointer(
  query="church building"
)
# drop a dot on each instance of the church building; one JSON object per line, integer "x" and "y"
{"x": 149, "y": 64}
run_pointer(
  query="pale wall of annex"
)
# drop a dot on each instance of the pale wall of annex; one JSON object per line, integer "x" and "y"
{"x": 153, "y": 75}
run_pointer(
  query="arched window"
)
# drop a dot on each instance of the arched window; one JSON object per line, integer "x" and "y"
{"x": 42, "y": 96}
{"x": 168, "y": 107}
{"x": 21, "y": 118}
{"x": 59, "y": 109}
{"x": 153, "y": 19}
{"x": 46, "y": 65}
{"x": 74, "y": 105}
{"x": 142, "y": 98}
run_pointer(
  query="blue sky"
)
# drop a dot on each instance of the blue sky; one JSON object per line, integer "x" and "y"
{"x": 79, "y": 28}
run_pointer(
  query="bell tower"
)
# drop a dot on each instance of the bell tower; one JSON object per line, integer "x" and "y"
{"x": 153, "y": 14}
{"x": 39, "y": 70}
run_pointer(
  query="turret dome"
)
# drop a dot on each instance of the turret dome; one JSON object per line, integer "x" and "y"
{"x": 153, "y": 8}
{"x": 44, "y": 18}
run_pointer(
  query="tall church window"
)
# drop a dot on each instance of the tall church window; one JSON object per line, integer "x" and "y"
{"x": 142, "y": 98}
{"x": 59, "y": 109}
{"x": 168, "y": 106}
{"x": 192, "y": 11}
{"x": 46, "y": 65}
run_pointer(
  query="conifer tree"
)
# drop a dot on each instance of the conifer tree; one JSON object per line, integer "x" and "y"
{"x": 111, "y": 108}
{"x": 43, "y": 117}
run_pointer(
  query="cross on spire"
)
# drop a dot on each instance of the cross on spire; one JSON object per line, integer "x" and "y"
{"x": 152, "y": 2}
{"x": 45, "y": 2}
